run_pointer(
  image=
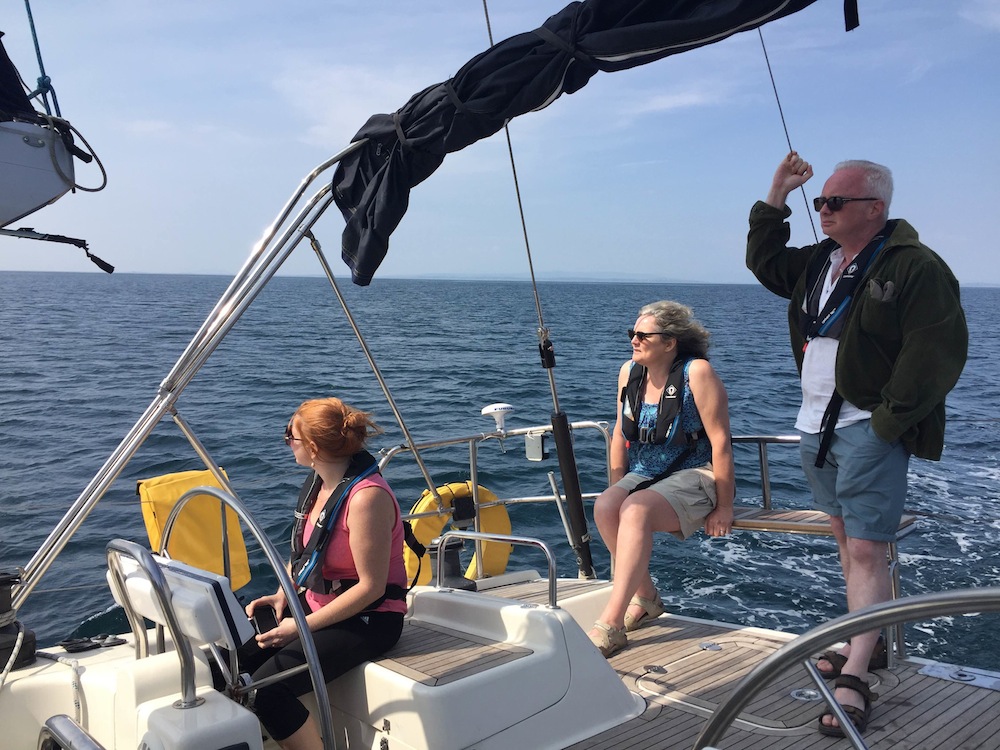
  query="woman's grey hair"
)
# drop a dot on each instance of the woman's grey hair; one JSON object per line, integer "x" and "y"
{"x": 678, "y": 321}
{"x": 878, "y": 180}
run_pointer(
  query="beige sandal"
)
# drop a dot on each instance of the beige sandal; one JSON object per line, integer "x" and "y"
{"x": 653, "y": 608}
{"x": 610, "y": 641}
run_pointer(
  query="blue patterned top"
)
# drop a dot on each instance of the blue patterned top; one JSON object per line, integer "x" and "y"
{"x": 648, "y": 459}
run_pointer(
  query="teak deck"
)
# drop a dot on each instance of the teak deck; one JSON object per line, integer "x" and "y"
{"x": 796, "y": 521}
{"x": 683, "y": 669}
{"x": 682, "y": 683}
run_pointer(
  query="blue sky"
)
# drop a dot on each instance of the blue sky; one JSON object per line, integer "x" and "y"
{"x": 208, "y": 115}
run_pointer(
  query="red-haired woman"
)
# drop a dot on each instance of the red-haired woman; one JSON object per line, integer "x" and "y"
{"x": 347, "y": 553}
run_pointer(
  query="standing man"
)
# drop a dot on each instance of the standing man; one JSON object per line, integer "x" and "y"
{"x": 879, "y": 338}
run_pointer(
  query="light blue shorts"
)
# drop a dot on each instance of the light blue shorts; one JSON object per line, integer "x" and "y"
{"x": 863, "y": 480}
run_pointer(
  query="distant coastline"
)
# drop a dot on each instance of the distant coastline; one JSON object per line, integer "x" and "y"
{"x": 542, "y": 279}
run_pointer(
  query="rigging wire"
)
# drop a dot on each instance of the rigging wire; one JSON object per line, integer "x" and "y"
{"x": 520, "y": 204}
{"x": 44, "y": 82}
{"x": 577, "y": 529}
{"x": 784, "y": 125}
{"x": 57, "y": 123}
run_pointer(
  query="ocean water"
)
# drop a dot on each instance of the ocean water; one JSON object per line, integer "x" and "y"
{"x": 83, "y": 355}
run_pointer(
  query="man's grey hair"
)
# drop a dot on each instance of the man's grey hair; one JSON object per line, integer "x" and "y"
{"x": 878, "y": 179}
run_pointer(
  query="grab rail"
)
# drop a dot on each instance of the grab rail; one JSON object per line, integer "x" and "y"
{"x": 161, "y": 592}
{"x": 61, "y": 732}
{"x": 762, "y": 442}
{"x": 480, "y": 437}
{"x": 291, "y": 599}
{"x": 483, "y": 537}
{"x": 802, "y": 648}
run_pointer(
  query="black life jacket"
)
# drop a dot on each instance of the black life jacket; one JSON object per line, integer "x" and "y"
{"x": 307, "y": 557}
{"x": 668, "y": 411}
{"x": 830, "y": 320}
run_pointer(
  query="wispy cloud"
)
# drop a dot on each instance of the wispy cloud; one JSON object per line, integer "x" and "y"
{"x": 985, "y": 13}
{"x": 337, "y": 100}
{"x": 676, "y": 100}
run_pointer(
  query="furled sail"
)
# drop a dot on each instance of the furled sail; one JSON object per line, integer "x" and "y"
{"x": 523, "y": 73}
{"x": 14, "y": 101}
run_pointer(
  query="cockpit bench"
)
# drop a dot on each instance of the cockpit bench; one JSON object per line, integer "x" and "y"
{"x": 795, "y": 521}
{"x": 462, "y": 653}
{"x": 434, "y": 655}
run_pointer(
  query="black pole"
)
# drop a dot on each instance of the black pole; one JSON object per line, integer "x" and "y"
{"x": 574, "y": 498}
{"x": 580, "y": 535}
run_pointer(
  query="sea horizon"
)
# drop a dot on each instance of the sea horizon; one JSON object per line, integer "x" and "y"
{"x": 642, "y": 279}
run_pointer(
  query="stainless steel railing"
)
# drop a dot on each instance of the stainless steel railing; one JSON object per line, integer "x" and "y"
{"x": 60, "y": 732}
{"x": 472, "y": 442}
{"x": 912, "y": 608}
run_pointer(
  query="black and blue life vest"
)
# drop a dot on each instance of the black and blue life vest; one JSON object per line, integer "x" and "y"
{"x": 668, "y": 411}
{"x": 829, "y": 321}
{"x": 668, "y": 428}
{"x": 307, "y": 557}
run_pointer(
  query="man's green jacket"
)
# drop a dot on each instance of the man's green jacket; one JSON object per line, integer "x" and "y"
{"x": 905, "y": 341}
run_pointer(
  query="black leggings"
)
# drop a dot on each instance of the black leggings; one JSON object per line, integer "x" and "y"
{"x": 340, "y": 647}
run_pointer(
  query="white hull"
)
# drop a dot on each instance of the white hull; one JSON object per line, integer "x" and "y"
{"x": 36, "y": 169}
{"x": 500, "y": 669}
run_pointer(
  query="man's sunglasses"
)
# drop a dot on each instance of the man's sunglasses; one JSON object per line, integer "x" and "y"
{"x": 835, "y": 202}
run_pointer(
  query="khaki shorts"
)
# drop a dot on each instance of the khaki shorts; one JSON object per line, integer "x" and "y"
{"x": 690, "y": 492}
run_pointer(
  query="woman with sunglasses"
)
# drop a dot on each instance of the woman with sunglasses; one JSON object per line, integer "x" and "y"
{"x": 347, "y": 554}
{"x": 671, "y": 461}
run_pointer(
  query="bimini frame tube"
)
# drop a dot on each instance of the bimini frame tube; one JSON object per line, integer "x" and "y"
{"x": 264, "y": 261}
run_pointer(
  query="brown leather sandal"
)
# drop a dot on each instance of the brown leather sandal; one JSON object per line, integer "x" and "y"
{"x": 879, "y": 660}
{"x": 859, "y": 716}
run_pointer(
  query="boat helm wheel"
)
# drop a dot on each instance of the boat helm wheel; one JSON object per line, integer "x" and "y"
{"x": 493, "y": 520}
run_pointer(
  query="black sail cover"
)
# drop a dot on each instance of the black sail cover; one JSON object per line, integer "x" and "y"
{"x": 14, "y": 103}
{"x": 523, "y": 73}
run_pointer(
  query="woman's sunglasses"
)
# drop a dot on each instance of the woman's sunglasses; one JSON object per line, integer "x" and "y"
{"x": 643, "y": 335}
{"x": 289, "y": 438}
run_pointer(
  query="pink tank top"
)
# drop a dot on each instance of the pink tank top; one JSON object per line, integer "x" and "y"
{"x": 338, "y": 563}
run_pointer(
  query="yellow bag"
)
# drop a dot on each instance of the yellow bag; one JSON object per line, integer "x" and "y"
{"x": 196, "y": 538}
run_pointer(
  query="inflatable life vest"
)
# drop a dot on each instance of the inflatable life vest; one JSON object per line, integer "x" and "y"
{"x": 668, "y": 411}
{"x": 307, "y": 557}
{"x": 493, "y": 520}
{"x": 829, "y": 321}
